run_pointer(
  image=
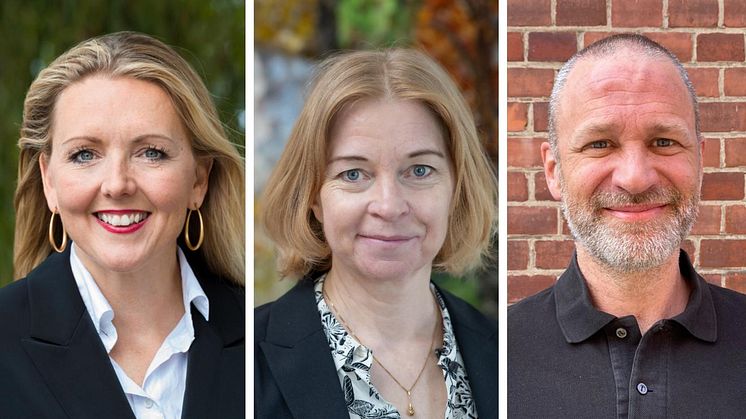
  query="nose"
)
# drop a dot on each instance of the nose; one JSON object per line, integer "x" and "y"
{"x": 636, "y": 171}
{"x": 388, "y": 201}
{"x": 117, "y": 180}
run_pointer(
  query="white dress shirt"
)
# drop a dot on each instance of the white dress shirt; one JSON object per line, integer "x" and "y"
{"x": 162, "y": 393}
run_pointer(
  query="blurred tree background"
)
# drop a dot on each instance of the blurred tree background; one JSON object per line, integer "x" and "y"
{"x": 210, "y": 34}
{"x": 292, "y": 35}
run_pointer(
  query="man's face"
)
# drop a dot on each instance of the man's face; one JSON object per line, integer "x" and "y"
{"x": 631, "y": 168}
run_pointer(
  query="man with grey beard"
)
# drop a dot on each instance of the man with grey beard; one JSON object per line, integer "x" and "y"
{"x": 629, "y": 329}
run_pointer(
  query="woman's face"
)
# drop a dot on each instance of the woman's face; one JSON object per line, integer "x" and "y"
{"x": 121, "y": 172}
{"x": 385, "y": 200}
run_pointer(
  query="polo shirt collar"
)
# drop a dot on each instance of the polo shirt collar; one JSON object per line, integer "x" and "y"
{"x": 579, "y": 319}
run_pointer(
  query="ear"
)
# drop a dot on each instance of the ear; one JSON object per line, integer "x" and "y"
{"x": 46, "y": 179}
{"x": 551, "y": 171}
{"x": 701, "y": 154}
{"x": 201, "y": 181}
{"x": 318, "y": 211}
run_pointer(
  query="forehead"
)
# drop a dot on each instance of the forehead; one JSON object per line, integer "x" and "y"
{"x": 385, "y": 123}
{"x": 624, "y": 87}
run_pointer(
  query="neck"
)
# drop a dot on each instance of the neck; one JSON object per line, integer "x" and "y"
{"x": 383, "y": 310}
{"x": 650, "y": 295}
{"x": 142, "y": 296}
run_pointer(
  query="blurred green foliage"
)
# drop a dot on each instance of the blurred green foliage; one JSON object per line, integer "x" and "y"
{"x": 374, "y": 23}
{"x": 209, "y": 34}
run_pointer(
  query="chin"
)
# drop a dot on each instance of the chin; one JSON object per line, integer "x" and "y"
{"x": 390, "y": 270}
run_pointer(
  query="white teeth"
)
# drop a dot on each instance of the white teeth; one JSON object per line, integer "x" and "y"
{"x": 121, "y": 220}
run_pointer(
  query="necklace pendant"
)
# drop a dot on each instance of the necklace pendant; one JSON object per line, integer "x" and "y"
{"x": 410, "y": 410}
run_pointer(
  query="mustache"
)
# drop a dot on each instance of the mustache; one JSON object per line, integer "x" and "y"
{"x": 656, "y": 195}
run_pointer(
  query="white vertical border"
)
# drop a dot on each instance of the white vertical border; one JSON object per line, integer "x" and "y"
{"x": 502, "y": 208}
{"x": 249, "y": 196}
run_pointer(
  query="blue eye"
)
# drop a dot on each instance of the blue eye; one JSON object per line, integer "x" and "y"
{"x": 352, "y": 175}
{"x": 599, "y": 144}
{"x": 421, "y": 170}
{"x": 663, "y": 142}
{"x": 82, "y": 156}
{"x": 154, "y": 154}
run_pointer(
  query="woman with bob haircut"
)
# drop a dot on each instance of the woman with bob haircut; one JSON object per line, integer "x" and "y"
{"x": 383, "y": 180}
{"x": 129, "y": 238}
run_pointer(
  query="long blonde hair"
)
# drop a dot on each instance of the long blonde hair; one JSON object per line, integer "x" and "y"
{"x": 404, "y": 74}
{"x": 135, "y": 55}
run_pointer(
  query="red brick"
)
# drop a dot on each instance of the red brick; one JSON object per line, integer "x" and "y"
{"x": 553, "y": 254}
{"x": 735, "y": 219}
{"x": 591, "y": 37}
{"x": 541, "y": 116}
{"x": 719, "y": 117}
{"x": 711, "y": 156}
{"x": 734, "y": 13}
{"x": 723, "y": 186}
{"x": 524, "y": 152}
{"x": 528, "y": 82}
{"x": 565, "y": 228}
{"x": 735, "y": 152}
{"x": 636, "y": 13}
{"x": 522, "y": 286}
{"x": 532, "y": 220}
{"x": 551, "y": 46}
{"x": 735, "y": 82}
{"x": 679, "y": 43}
{"x": 515, "y": 46}
{"x": 708, "y": 221}
{"x": 529, "y": 12}
{"x": 517, "y": 255}
{"x": 736, "y": 281}
{"x": 715, "y": 279}
{"x": 517, "y": 187}
{"x": 722, "y": 253}
{"x": 581, "y": 13}
{"x": 517, "y": 116}
{"x": 720, "y": 47}
{"x": 705, "y": 81}
{"x": 692, "y": 13}
{"x": 541, "y": 190}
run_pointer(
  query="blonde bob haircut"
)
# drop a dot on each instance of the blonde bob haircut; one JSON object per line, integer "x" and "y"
{"x": 341, "y": 80}
{"x": 135, "y": 55}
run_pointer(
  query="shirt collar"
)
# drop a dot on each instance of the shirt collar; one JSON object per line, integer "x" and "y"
{"x": 579, "y": 319}
{"x": 102, "y": 314}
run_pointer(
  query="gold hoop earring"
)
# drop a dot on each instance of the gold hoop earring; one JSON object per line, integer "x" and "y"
{"x": 201, "y": 230}
{"x": 51, "y": 234}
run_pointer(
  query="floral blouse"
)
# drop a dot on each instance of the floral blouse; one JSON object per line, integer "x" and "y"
{"x": 353, "y": 362}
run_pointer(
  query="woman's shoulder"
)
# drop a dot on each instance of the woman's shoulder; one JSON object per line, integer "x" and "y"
{"x": 464, "y": 314}
{"x": 14, "y": 309}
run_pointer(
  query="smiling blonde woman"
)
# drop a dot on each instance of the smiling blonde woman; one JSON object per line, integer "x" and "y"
{"x": 129, "y": 236}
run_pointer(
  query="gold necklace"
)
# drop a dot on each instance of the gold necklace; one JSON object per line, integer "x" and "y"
{"x": 410, "y": 407}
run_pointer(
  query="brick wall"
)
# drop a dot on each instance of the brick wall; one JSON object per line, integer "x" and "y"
{"x": 708, "y": 37}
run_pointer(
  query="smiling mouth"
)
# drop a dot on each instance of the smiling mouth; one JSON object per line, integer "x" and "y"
{"x": 122, "y": 220}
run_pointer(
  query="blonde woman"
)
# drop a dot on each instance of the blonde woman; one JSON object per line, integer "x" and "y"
{"x": 129, "y": 236}
{"x": 382, "y": 182}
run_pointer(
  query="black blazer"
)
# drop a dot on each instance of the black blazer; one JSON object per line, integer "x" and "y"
{"x": 294, "y": 374}
{"x": 53, "y": 364}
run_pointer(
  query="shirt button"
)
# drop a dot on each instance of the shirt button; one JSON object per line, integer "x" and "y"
{"x": 621, "y": 333}
{"x": 148, "y": 404}
{"x": 642, "y": 389}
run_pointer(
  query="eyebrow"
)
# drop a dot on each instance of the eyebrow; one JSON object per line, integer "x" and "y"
{"x": 138, "y": 139}
{"x": 411, "y": 155}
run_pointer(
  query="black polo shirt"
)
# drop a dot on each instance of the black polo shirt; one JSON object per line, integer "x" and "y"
{"x": 567, "y": 359}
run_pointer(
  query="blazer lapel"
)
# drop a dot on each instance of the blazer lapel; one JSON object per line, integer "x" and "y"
{"x": 477, "y": 341}
{"x": 65, "y": 347}
{"x": 215, "y": 380}
{"x": 299, "y": 356}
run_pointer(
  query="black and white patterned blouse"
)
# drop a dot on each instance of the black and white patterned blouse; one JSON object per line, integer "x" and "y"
{"x": 353, "y": 362}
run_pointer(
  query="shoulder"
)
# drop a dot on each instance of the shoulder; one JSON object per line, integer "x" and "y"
{"x": 533, "y": 308}
{"x": 14, "y": 307}
{"x": 295, "y": 310}
{"x": 730, "y": 306}
{"x": 464, "y": 314}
